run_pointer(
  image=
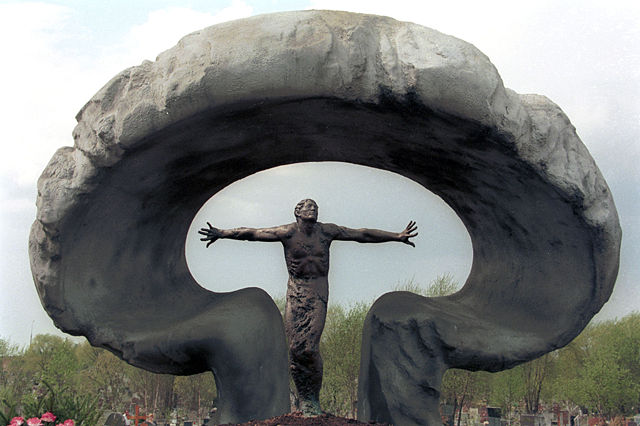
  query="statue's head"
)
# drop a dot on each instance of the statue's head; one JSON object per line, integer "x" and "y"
{"x": 306, "y": 209}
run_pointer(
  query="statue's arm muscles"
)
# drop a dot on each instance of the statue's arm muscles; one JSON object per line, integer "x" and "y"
{"x": 275, "y": 233}
{"x": 364, "y": 235}
{"x": 212, "y": 234}
{"x": 367, "y": 235}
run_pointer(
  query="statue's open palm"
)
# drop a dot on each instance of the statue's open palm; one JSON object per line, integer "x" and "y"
{"x": 211, "y": 234}
{"x": 409, "y": 232}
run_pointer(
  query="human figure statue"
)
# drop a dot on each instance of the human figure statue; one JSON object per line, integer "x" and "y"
{"x": 306, "y": 249}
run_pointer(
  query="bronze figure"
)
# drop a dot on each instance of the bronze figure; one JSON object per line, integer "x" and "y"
{"x": 306, "y": 249}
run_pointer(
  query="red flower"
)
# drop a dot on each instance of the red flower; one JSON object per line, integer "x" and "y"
{"x": 17, "y": 421}
{"x": 34, "y": 421}
{"x": 48, "y": 417}
{"x": 69, "y": 422}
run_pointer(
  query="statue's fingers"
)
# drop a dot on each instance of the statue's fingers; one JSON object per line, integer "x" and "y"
{"x": 203, "y": 231}
{"x": 210, "y": 226}
{"x": 411, "y": 243}
{"x": 415, "y": 234}
{"x": 210, "y": 242}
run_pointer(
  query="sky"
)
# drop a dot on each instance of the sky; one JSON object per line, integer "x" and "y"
{"x": 583, "y": 55}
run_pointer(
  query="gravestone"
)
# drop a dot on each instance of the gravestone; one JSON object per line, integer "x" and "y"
{"x": 161, "y": 138}
{"x": 494, "y": 416}
{"x": 115, "y": 419}
{"x": 532, "y": 420}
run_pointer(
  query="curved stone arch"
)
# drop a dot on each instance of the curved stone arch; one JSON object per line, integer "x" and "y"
{"x": 107, "y": 248}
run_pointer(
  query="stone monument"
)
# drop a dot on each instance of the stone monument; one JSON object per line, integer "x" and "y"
{"x": 160, "y": 139}
{"x": 306, "y": 245}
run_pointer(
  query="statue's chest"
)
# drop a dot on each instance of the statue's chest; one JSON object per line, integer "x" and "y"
{"x": 314, "y": 245}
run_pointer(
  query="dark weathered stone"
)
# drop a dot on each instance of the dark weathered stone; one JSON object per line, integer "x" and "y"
{"x": 546, "y": 241}
{"x": 107, "y": 248}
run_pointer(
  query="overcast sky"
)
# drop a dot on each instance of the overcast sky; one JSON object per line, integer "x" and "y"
{"x": 583, "y": 55}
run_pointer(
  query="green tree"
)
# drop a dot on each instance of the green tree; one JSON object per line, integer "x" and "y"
{"x": 14, "y": 380}
{"x": 600, "y": 369}
{"x": 340, "y": 348}
{"x": 458, "y": 387}
{"x": 155, "y": 391}
{"x": 442, "y": 285}
{"x": 506, "y": 391}
{"x": 105, "y": 375}
{"x": 53, "y": 367}
{"x": 607, "y": 386}
{"x": 196, "y": 394}
{"x": 7, "y": 349}
{"x": 12, "y": 377}
{"x": 534, "y": 376}
{"x": 563, "y": 382}
{"x": 52, "y": 359}
{"x": 608, "y": 382}
{"x": 280, "y": 302}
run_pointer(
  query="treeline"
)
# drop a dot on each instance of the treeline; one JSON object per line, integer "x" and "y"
{"x": 80, "y": 382}
{"x": 599, "y": 373}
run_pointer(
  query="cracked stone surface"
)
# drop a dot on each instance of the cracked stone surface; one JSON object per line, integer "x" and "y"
{"x": 159, "y": 139}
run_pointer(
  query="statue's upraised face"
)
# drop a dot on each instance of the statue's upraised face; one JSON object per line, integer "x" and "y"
{"x": 306, "y": 210}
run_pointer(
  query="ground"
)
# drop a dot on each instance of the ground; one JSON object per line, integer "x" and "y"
{"x": 299, "y": 420}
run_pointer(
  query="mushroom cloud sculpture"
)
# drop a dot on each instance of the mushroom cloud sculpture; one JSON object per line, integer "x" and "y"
{"x": 160, "y": 139}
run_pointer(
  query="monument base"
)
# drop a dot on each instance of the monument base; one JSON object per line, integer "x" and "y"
{"x": 297, "y": 418}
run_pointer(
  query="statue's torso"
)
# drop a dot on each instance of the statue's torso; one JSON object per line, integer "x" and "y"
{"x": 307, "y": 255}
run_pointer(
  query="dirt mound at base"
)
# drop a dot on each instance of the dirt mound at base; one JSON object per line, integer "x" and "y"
{"x": 298, "y": 419}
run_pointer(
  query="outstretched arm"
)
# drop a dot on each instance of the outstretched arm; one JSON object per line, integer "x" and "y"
{"x": 211, "y": 234}
{"x": 376, "y": 235}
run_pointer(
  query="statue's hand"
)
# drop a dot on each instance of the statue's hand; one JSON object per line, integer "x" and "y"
{"x": 409, "y": 232}
{"x": 211, "y": 234}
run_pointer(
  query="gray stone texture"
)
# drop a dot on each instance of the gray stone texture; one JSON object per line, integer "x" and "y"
{"x": 107, "y": 247}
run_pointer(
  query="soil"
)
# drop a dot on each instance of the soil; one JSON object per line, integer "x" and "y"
{"x": 298, "y": 419}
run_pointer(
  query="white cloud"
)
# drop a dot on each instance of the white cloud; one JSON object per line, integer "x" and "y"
{"x": 165, "y": 27}
{"x": 27, "y": 18}
{"x": 34, "y": 77}
{"x": 18, "y": 205}
{"x": 46, "y": 81}
{"x": 482, "y": 23}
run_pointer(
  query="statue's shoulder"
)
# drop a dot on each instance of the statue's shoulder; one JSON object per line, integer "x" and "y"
{"x": 289, "y": 229}
{"x": 329, "y": 228}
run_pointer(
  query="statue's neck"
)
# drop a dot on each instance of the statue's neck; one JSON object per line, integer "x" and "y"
{"x": 306, "y": 226}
